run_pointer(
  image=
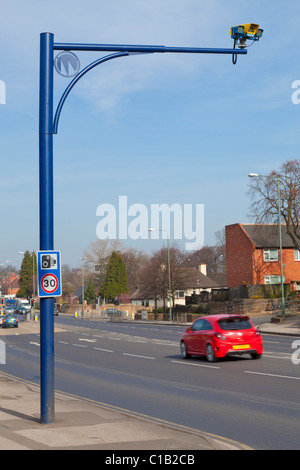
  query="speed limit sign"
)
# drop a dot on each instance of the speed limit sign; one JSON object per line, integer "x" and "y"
{"x": 49, "y": 274}
{"x": 49, "y": 283}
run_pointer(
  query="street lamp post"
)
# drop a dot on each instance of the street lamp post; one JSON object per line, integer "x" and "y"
{"x": 169, "y": 267}
{"x": 256, "y": 175}
{"x": 82, "y": 280}
{"x": 47, "y": 127}
{"x": 8, "y": 285}
{"x": 1, "y": 287}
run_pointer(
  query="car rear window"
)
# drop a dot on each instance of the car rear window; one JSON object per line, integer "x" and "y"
{"x": 236, "y": 323}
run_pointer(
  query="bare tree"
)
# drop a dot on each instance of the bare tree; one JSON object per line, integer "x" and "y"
{"x": 71, "y": 279}
{"x": 264, "y": 195}
{"x": 153, "y": 280}
{"x": 97, "y": 256}
{"x": 134, "y": 260}
{"x": 221, "y": 251}
{"x": 212, "y": 256}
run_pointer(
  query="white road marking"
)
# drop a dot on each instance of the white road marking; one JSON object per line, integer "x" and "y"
{"x": 272, "y": 375}
{"x": 278, "y": 357}
{"x": 195, "y": 365}
{"x": 136, "y": 355}
{"x": 105, "y": 350}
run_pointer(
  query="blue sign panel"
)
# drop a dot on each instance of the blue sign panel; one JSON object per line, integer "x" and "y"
{"x": 49, "y": 273}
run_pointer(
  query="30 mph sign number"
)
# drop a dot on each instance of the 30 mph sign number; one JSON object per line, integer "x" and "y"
{"x": 49, "y": 283}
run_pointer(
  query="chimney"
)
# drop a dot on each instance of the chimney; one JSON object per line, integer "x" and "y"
{"x": 202, "y": 268}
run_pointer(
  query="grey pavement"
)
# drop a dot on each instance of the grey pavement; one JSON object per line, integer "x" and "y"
{"x": 290, "y": 326}
{"x": 87, "y": 426}
{"x": 82, "y": 425}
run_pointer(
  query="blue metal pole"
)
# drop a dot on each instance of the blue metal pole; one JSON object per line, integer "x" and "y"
{"x": 46, "y": 222}
{"x": 75, "y": 80}
{"x": 147, "y": 49}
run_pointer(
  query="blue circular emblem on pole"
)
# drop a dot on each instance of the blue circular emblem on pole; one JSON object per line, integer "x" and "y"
{"x": 67, "y": 64}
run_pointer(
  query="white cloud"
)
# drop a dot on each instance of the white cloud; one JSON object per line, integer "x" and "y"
{"x": 163, "y": 22}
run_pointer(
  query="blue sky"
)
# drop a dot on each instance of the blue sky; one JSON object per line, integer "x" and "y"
{"x": 159, "y": 128}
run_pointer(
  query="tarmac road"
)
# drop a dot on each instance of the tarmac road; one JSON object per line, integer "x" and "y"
{"x": 254, "y": 402}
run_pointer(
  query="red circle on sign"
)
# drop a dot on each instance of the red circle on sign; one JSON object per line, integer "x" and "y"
{"x": 49, "y": 283}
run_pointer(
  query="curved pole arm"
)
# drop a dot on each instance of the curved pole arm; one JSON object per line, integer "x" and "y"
{"x": 75, "y": 80}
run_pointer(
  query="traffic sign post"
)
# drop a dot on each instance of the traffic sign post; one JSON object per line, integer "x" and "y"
{"x": 49, "y": 286}
{"x": 46, "y": 224}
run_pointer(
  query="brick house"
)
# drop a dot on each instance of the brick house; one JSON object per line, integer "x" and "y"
{"x": 13, "y": 285}
{"x": 10, "y": 286}
{"x": 253, "y": 256}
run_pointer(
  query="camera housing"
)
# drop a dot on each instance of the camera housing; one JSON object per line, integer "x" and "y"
{"x": 246, "y": 31}
{"x": 48, "y": 261}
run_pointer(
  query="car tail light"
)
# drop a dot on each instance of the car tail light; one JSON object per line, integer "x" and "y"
{"x": 219, "y": 336}
{"x": 257, "y": 333}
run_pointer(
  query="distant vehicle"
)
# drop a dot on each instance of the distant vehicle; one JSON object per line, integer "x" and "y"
{"x": 8, "y": 309}
{"x": 114, "y": 311}
{"x": 55, "y": 311}
{"x": 9, "y": 321}
{"x": 23, "y": 303}
{"x": 110, "y": 311}
{"x": 21, "y": 310}
{"x": 217, "y": 336}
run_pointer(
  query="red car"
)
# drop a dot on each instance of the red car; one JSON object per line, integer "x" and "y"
{"x": 216, "y": 336}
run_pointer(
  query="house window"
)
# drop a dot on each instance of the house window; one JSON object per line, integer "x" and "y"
{"x": 272, "y": 279}
{"x": 179, "y": 294}
{"x": 271, "y": 254}
{"x": 297, "y": 255}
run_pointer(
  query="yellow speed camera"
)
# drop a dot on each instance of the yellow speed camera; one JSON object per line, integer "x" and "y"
{"x": 246, "y": 31}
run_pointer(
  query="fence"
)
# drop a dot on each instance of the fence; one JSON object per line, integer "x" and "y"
{"x": 250, "y": 307}
{"x": 257, "y": 307}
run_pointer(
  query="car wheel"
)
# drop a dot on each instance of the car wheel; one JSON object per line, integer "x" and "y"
{"x": 184, "y": 352}
{"x": 210, "y": 353}
{"x": 255, "y": 356}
